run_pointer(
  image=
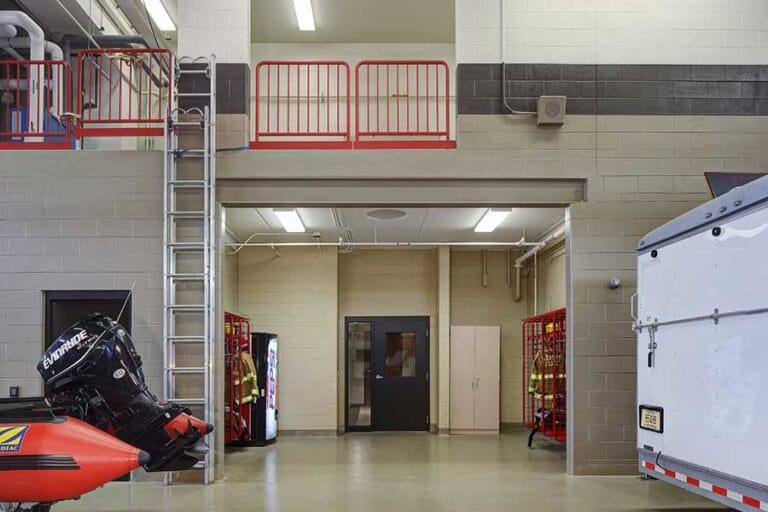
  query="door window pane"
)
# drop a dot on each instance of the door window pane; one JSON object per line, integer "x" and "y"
{"x": 359, "y": 374}
{"x": 400, "y": 360}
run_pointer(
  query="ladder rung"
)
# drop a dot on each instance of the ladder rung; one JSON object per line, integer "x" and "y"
{"x": 188, "y": 277}
{"x": 189, "y": 401}
{"x": 196, "y": 124}
{"x": 199, "y": 465}
{"x": 189, "y": 246}
{"x": 188, "y": 183}
{"x": 186, "y": 369}
{"x": 191, "y": 71}
{"x": 186, "y": 339}
{"x": 188, "y": 214}
{"x": 187, "y": 307}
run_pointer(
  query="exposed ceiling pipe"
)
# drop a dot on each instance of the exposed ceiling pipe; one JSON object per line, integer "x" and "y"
{"x": 13, "y": 53}
{"x": 79, "y": 25}
{"x": 559, "y": 231}
{"x": 56, "y": 53}
{"x": 347, "y": 235}
{"x": 8, "y": 31}
{"x": 36, "y": 52}
{"x": 239, "y": 246}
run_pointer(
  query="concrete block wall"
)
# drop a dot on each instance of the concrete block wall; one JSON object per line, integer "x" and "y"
{"x": 613, "y": 31}
{"x": 472, "y": 304}
{"x": 396, "y": 282}
{"x": 642, "y": 171}
{"x": 70, "y": 222}
{"x": 294, "y": 295}
{"x": 221, "y": 28}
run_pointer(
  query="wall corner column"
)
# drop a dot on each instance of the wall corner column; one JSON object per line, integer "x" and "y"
{"x": 443, "y": 338}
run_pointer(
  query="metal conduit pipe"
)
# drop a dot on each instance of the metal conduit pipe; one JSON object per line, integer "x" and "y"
{"x": 532, "y": 252}
{"x": 8, "y": 48}
{"x": 485, "y": 268}
{"x": 239, "y": 245}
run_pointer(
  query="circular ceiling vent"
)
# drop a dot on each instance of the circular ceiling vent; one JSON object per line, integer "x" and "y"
{"x": 386, "y": 214}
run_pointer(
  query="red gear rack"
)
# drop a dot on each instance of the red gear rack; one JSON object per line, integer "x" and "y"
{"x": 544, "y": 372}
{"x": 237, "y": 340}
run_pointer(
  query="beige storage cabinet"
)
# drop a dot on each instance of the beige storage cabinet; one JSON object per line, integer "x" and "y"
{"x": 475, "y": 379}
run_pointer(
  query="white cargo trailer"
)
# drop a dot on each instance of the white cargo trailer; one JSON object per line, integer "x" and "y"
{"x": 702, "y": 349}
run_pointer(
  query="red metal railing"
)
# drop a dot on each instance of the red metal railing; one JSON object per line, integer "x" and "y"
{"x": 302, "y": 104}
{"x": 35, "y": 97}
{"x": 125, "y": 91}
{"x": 402, "y": 104}
{"x": 544, "y": 374}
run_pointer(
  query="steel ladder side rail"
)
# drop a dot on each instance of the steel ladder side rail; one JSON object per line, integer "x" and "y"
{"x": 205, "y": 249}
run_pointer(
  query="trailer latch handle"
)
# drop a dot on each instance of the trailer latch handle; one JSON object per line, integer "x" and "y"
{"x": 652, "y": 345}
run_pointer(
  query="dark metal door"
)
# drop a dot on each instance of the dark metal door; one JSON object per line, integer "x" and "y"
{"x": 401, "y": 373}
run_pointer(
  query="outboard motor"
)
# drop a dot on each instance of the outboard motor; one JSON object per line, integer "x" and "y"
{"x": 93, "y": 372}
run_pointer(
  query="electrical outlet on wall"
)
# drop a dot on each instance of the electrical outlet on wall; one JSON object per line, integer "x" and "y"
{"x": 13, "y": 392}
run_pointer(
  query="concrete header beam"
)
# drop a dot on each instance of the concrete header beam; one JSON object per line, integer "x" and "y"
{"x": 401, "y": 192}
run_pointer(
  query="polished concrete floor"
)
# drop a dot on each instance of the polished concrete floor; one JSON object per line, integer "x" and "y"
{"x": 397, "y": 473}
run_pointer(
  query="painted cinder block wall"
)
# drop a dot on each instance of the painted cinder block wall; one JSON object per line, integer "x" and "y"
{"x": 69, "y": 222}
{"x": 294, "y": 294}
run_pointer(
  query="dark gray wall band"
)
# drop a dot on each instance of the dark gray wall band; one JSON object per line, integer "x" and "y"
{"x": 233, "y": 89}
{"x": 616, "y": 89}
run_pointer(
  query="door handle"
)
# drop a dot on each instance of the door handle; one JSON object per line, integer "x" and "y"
{"x": 379, "y": 377}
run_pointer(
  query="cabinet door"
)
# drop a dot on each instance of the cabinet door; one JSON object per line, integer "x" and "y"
{"x": 487, "y": 373}
{"x": 462, "y": 377}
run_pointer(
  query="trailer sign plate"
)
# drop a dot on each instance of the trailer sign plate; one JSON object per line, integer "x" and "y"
{"x": 651, "y": 418}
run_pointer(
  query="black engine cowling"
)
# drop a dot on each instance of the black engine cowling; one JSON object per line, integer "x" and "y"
{"x": 93, "y": 372}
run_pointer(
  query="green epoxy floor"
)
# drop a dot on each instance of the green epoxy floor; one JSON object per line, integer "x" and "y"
{"x": 397, "y": 473}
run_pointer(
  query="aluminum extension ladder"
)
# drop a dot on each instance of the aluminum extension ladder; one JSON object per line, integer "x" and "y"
{"x": 189, "y": 248}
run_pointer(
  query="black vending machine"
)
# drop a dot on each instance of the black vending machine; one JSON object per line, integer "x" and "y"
{"x": 264, "y": 410}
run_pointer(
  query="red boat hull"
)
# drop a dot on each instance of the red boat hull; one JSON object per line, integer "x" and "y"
{"x": 60, "y": 459}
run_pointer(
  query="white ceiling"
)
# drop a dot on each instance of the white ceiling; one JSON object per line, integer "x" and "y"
{"x": 356, "y": 21}
{"x": 419, "y": 225}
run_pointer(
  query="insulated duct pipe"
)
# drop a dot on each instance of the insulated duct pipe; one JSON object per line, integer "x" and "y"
{"x": 8, "y": 31}
{"x": 36, "y": 52}
{"x": 57, "y": 54}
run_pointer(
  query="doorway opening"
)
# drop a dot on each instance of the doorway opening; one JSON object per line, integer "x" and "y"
{"x": 387, "y": 384}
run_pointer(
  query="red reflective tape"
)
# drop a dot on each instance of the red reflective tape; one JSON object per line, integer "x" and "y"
{"x": 693, "y": 481}
{"x": 650, "y": 466}
{"x": 670, "y": 473}
{"x": 752, "y": 502}
{"x": 722, "y": 491}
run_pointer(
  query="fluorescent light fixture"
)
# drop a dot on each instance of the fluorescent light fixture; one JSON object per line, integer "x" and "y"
{"x": 159, "y": 15}
{"x": 304, "y": 15}
{"x": 491, "y": 220}
{"x": 290, "y": 220}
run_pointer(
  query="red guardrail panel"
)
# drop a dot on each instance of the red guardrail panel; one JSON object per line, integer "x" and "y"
{"x": 402, "y": 104}
{"x": 302, "y": 105}
{"x": 34, "y": 96}
{"x": 123, "y": 91}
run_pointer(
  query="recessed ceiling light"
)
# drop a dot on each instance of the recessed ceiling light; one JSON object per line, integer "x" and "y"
{"x": 491, "y": 220}
{"x": 159, "y": 15}
{"x": 290, "y": 220}
{"x": 304, "y": 15}
{"x": 386, "y": 214}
